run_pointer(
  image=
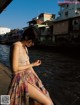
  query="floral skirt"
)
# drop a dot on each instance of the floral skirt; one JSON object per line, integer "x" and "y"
{"x": 18, "y": 89}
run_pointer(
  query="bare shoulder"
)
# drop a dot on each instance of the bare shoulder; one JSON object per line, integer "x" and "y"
{"x": 17, "y": 44}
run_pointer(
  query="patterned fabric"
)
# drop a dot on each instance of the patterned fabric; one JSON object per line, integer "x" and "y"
{"x": 18, "y": 89}
{"x": 18, "y": 92}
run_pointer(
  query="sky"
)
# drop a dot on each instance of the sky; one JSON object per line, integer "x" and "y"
{"x": 19, "y": 12}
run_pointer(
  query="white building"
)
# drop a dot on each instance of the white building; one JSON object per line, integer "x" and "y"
{"x": 4, "y": 30}
{"x": 68, "y": 9}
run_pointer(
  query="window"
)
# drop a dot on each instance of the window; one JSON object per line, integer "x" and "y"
{"x": 67, "y": 5}
{"x": 66, "y": 14}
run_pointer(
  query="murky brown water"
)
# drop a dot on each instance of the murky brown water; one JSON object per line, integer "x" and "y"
{"x": 60, "y": 73}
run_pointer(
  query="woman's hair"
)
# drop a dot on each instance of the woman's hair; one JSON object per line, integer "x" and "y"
{"x": 30, "y": 34}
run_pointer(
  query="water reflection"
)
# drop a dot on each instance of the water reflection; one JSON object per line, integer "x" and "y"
{"x": 4, "y": 54}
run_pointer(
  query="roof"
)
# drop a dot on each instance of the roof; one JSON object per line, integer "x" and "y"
{"x": 4, "y": 4}
{"x": 75, "y": 17}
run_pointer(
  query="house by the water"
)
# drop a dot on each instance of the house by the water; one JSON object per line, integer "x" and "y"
{"x": 3, "y": 34}
{"x": 68, "y": 9}
{"x": 9, "y": 36}
{"x": 43, "y": 24}
{"x": 65, "y": 28}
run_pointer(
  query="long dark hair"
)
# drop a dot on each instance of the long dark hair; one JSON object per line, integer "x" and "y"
{"x": 30, "y": 34}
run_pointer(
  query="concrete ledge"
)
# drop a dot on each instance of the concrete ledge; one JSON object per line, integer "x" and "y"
{"x": 5, "y": 78}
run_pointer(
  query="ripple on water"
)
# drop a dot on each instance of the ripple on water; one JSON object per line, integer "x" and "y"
{"x": 4, "y": 54}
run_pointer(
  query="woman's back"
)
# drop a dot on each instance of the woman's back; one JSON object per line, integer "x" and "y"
{"x": 23, "y": 57}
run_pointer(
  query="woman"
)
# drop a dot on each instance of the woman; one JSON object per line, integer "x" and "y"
{"x": 26, "y": 83}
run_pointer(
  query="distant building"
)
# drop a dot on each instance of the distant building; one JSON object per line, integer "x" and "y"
{"x": 42, "y": 18}
{"x": 14, "y": 35}
{"x": 43, "y": 23}
{"x": 4, "y": 30}
{"x": 46, "y": 16}
{"x": 35, "y": 21}
{"x": 68, "y": 9}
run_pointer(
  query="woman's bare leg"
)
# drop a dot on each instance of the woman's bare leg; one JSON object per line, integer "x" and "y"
{"x": 38, "y": 96}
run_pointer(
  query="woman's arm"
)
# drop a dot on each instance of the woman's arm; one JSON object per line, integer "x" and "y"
{"x": 40, "y": 84}
{"x": 34, "y": 70}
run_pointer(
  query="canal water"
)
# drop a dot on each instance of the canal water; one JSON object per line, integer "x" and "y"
{"x": 60, "y": 72}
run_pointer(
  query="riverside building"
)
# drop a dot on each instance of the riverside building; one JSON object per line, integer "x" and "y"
{"x": 4, "y": 30}
{"x": 68, "y": 9}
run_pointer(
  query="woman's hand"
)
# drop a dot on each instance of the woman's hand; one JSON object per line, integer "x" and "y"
{"x": 43, "y": 90}
{"x": 41, "y": 86}
{"x": 40, "y": 83}
{"x": 37, "y": 63}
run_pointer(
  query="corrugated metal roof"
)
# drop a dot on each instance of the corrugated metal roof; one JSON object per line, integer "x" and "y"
{"x": 4, "y": 4}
